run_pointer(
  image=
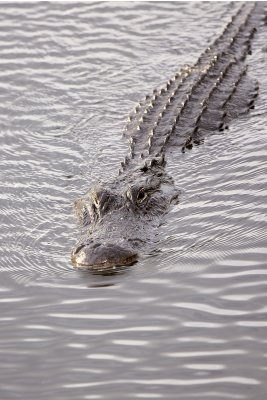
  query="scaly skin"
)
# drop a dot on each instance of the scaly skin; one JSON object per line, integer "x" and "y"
{"x": 120, "y": 217}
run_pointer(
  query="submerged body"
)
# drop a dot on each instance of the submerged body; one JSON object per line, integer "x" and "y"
{"x": 120, "y": 217}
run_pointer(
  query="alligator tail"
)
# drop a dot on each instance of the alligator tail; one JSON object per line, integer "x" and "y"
{"x": 200, "y": 99}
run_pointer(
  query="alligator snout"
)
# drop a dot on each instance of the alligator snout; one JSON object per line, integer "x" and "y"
{"x": 97, "y": 256}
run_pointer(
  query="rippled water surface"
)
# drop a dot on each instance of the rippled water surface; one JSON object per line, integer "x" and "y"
{"x": 188, "y": 320}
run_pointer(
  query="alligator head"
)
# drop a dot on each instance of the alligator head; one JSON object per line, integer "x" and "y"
{"x": 119, "y": 217}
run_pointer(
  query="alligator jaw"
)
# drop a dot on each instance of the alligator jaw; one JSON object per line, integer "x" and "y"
{"x": 102, "y": 257}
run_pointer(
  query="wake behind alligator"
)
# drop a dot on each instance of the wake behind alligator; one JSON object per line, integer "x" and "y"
{"x": 120, "y": 218}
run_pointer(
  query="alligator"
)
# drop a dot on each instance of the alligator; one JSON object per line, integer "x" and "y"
{"x": 119, "y": 218}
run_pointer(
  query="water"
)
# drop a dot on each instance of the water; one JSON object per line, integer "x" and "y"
{"x": 190, "y": 319}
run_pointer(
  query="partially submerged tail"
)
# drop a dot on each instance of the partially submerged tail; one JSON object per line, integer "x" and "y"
{"x": 202, "y": 98}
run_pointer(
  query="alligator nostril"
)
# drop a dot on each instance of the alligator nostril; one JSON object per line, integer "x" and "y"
{"x": 78, "y": 248}
{"x": 81, "y": 246}
{"x": 95, "y": 245}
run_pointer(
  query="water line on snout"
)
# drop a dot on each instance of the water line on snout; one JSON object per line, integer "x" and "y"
{"x": 102, "y": 256}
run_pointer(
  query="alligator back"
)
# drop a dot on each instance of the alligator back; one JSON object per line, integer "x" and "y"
{"x": 198, "y": 99}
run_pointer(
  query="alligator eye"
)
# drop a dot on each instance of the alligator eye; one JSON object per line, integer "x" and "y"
{"x": 100, "y": 200}
{"x": 84, "y": 216}
{"x": 96, "y": 203}
{"x": 82, "y": 212}
{"x": 94, "y": 212}
{"x": 142, "y": 195}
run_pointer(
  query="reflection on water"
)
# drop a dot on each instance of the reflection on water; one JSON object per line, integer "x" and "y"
{"x": 189, "y": 319}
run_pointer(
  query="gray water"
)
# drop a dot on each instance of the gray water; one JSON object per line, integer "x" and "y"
{"x": 189, "y": 320}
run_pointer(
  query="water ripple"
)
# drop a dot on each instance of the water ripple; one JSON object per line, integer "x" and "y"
{"x": 209, "y": 309}
{"x": 190, "y": 317}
